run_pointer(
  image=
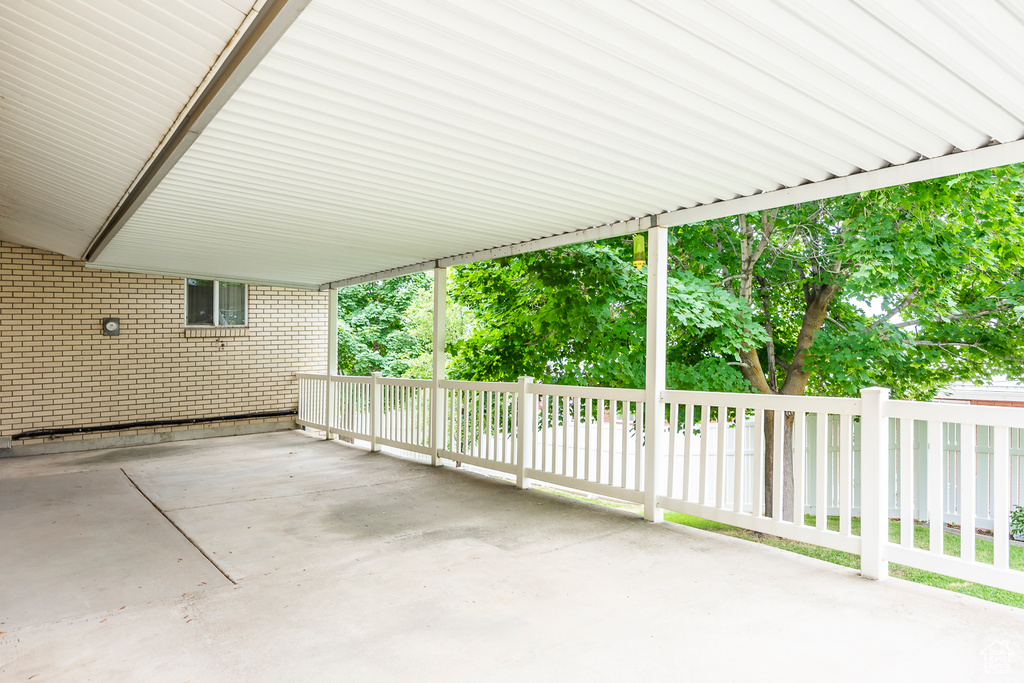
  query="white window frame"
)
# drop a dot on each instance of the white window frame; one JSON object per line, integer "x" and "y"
{"x": 216, "y": 303}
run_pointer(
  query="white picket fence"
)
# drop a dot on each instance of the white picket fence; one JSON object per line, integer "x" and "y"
{"x": 712, "y": 466}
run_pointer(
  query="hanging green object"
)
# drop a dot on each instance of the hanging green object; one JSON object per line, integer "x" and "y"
{"x": 639, "y": 252}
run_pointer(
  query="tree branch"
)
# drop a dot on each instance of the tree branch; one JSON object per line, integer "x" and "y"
{"x": 787, "y": 283}
{"x": 729, "y": 241}
{"x": 820, "y": 210}
{"x": 838, "y": 324}
{"x": 943, "y": 346}
{"x": 924, "y": 342}
{"x": 895, "y": 311}
{"x": 767, "y": 228}
{"x": 747, "y": 260}
{"x": 789, "y": 242}
{"x": 770, "y": 351}
{"x": 963, "y": 316}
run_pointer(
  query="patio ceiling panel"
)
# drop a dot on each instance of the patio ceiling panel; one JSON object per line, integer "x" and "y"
{"x": 382, "y": 135}
{"x": 87, "y": 92}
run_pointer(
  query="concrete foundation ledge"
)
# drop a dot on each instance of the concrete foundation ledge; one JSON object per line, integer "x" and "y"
{"x": 146, "y": 436}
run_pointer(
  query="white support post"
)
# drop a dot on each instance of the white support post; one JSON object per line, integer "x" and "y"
{"x": 332, "y": 361}
{"x": 657, "y": 325}
{"x": 375, "y": 412}
{"x": 874, "y": 498}
{"x": 524, "y": 433}
{"x": 436, "y": 409}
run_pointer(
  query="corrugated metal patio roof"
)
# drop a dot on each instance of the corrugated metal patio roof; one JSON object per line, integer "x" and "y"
{"x": 381, "y": 136}
{"x": 87, "y": 91}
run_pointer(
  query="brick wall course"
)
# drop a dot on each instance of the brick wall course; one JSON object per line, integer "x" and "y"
{"x": 58, "y": 370}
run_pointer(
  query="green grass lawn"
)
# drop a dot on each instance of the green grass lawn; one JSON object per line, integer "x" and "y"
{"x": 951, "y": 546}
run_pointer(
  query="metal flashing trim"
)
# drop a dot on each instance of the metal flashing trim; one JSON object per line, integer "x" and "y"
{"x": 273, "y": 20}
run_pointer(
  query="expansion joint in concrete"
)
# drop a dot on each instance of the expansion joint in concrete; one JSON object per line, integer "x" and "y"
{"x": 179, "y": 529}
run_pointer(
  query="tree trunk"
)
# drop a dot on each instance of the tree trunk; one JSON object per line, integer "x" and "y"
{"x": 788, "y": 489}
{"x": 795, "y": 384}
{"x": 817, "y": 298}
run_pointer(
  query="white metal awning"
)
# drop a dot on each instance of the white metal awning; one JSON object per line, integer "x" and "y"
{"x": 378, "y": 136}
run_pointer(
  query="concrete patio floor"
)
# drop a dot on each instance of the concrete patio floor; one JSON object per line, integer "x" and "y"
{"x": 292, "y": 558}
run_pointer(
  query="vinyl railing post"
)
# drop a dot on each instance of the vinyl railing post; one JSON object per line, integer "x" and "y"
{"x": 437, "y": 425}
{"x": 524, "y": 432}
{"x": 874, "y": 495}
{"x": 376, "y": 400}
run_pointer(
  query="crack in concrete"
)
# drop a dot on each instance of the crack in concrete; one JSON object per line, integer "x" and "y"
{"x": 180, "y": 530}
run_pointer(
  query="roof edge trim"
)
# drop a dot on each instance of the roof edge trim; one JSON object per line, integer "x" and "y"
{"x": 272, "y": 20}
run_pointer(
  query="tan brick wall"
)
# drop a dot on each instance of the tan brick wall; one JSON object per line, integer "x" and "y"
{"x": 58, "y": 370}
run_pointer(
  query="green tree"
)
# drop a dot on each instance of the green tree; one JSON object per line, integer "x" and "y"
{"x": 388, "y": 327}
{"x": 942, "y": 258}
{"x": 576, "y": 315}
{"x": 778, "y": 301}
{"x": 373, "y": 331}
{"x": 419, "y": 320}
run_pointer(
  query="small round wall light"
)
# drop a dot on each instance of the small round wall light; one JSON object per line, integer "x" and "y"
{"x": 111, "y": 327}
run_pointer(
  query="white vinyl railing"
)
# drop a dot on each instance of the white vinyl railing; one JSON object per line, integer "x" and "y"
{"x": 404, "y": 413}
{"x": 312, "y": 401}
{"x": 590, "y": 439}
{"x": 353, "y": 398}
{"x": 708, "y": 474}
{"x": 481, "y": 423}
{"x": 964, "y": 472}
{"x": 963, "y": 462}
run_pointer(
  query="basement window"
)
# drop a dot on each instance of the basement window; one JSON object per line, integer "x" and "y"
{"x": 212, "y": 303}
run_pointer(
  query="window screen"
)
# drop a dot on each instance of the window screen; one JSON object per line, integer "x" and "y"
{"x": 209, "y": 302}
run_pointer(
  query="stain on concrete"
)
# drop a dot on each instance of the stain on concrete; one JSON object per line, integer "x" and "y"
{"x": 413, "y": 581}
